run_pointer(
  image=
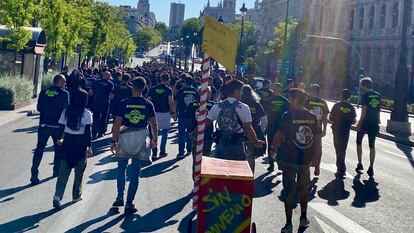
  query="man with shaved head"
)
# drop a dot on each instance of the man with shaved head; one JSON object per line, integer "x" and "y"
{"x": 101, "y": 94}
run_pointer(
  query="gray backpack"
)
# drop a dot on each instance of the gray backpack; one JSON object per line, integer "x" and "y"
{"x": 228, "y": 120}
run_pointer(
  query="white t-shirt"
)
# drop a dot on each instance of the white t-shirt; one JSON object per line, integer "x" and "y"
{"x": 86, "y": 120}
{"x": 242, "y": 110}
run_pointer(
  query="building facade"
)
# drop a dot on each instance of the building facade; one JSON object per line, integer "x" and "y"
{"x": 137, "y": 18}
{"x": 255, "y": 14}
{"x": 177, "y": 11}
{"x": 226, "y": 9}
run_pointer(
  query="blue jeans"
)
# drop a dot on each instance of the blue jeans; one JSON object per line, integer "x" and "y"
{"x": 164, "y": 137}
{"x": 183, "y": 137}
{"x": 134, "y": 179}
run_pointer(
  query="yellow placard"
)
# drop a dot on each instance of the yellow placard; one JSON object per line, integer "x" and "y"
{"x": 220, "y": 42}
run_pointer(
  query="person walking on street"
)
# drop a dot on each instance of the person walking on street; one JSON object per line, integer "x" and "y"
{"x": 101, "y": 92}
{"x": 184, "y": 97}
{"x": 121, "y": 91}
{"x": 162, "y": 98}
{"x": 130, "y": 141}
{"x": 368, "y": 123}
{"x": 274, "y": 106}
{"x": 234, "y": 120}
{"x": 343, "y": 116}
{"x": 76, "y": 145}
{"x": 295, "y": 142}
{"x": 52, "y": 101}
{"x": 319, "y": 107}
{"x": 259, "y": 123}
{"x": 266, "y": 91}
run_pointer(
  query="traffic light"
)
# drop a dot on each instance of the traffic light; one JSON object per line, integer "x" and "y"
{"x": 304, "y": 38}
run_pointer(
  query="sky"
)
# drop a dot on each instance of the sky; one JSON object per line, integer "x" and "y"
{"x": 161, "y": 8}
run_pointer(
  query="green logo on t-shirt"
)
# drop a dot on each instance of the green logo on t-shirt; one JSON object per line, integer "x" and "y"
{"x": 50, "y": 93}
{"x": 374, "y": 102}
{"x": 135, "y": 117}
{"x": 345, "y": 110}
{"x": 160, "y": 91}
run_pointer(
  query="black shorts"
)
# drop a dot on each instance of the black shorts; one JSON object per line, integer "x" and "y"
{"x": 295, "y": 177}
{"x": 372, "y": 135}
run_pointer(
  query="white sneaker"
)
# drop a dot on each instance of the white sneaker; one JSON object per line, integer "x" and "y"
{"x": 304, "y": 222}
{"x": 56, "y": 202}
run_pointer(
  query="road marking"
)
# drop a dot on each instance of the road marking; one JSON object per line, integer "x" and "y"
{"x": 332, "y": 168}
{"x": 345, "y": 223}
{"x": 325, "y": 227}
{"x": 401, "y": 156}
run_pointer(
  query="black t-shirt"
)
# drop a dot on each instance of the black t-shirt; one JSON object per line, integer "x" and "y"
{"x": 159, "y": 97}
{"x": 135, "y": 112}
{"x": 257, "y": 112}
{"x": 317, "y": 106}
{"x": 101, "y": 92}
{"x": 121, "y": 92}
{"x": 264, "y": 92}
{"x": 191, "y": 113}
{"x": 52, "y": 101}
{"x": 184, "y": 97}
{"x": 342, "y": 116}
{"x": 275, "y": 106}
{"x": 300, "y": 129}
{"x": 372, "y": 100}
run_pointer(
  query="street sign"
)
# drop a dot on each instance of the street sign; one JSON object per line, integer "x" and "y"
{"x": 242, "y": 69}
{"x": 220, "y": 42}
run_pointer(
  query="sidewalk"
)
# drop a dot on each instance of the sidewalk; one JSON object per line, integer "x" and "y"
{"x": 385, "y": 116}
{"x": 8, "y": 116}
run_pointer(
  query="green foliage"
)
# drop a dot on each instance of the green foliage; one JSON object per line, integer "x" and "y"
{"x": 148, "y": 37}
{"x": 191, "y": 26}
{"x": 14, "y": 90}
{"x": 247, "y": 48}
{"x": 162, "y": 29}
{"x": 17, "y": 14}
{"x": 47, "y": 80}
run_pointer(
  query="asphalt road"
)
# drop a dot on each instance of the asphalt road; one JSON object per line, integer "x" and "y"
{"x": 383, "y": 204}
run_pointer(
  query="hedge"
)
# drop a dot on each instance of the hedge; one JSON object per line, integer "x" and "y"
{"x": 14, "y": 90}
{"x": 47, "y": 80}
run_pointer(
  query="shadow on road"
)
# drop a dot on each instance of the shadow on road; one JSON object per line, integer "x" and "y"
{"x": 29, "y": 222}
{"x": 28, "y": 130}
{"x": 365, "y": 191}
{"x": 159, "y": 168}
{"x": 188, "y": 223}
{"x": 11, "y": 191}
{"x": 334, "y": 191}
{"x": 85, "y": 225}
{"x": 108, "y": 174}
{"x": 407, "y": 152}
{"x": 101, "y": 146}
{"x": 157, "y": 219}
{"x": 264, "y": 184}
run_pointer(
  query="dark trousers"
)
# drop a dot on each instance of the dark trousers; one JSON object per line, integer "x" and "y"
{"x": 341, "y": 139}
{"x": 63, "y": 177}
{"x": 100, "y": 121}
{"x": 184, "y": 140}
{"x": 43, "y": 135}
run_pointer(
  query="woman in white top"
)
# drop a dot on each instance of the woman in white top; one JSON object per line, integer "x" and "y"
{"x": 76, "y": 145}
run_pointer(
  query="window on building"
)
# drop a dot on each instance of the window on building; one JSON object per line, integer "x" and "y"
{"x": 383, "y": 16}
{"x": 361, "y": 18}
{"x": 395, "y": 14}
{"x": 372, "y": 17}
{"x": 351, "y": 20}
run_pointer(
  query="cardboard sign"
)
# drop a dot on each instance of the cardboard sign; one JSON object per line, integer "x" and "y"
{"x": 220, "y": 42}
{"x": 226, "y": 196}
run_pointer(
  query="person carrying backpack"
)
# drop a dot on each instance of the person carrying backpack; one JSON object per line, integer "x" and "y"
{"x": 234, "y": 122}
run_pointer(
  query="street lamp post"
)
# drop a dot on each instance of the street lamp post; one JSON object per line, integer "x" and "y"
{"x": 243, "y": 11}
{"x": 79, "y": 49}
{"x": 193, "y": 52}
{"x": 180, "y": 56}
{"x": 185, "y": 52}
{"x": 399, "y": 115}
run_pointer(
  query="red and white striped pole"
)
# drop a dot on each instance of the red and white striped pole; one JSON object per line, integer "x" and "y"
{"x": 201, "y": 118}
